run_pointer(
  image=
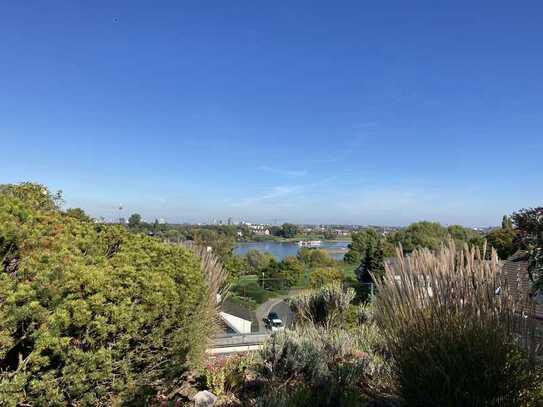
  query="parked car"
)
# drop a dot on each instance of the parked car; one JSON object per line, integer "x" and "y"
{"x": 273, "y": 322}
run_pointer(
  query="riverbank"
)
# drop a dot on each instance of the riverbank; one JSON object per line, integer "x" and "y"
{"x": 295, "y": 239}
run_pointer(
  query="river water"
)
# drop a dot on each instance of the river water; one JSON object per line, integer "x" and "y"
{"x": 336, "y": 249}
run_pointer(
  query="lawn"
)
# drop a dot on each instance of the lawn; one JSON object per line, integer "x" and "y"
{"x": 348, "y": 270}
{"x": 248, "y": 289}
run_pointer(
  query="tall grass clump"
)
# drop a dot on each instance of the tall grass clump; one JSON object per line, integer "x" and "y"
{"x": 453, "y": 330}
{"x": 325, "y": 307}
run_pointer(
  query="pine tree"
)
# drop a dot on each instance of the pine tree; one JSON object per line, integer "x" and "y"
{"x": 373, "y": 263}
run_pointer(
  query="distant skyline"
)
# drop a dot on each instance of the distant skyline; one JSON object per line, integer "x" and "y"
{"x": 306, "y": 112}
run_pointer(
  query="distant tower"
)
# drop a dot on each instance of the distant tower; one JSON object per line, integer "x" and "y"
{"x": 229, "y": 221}
{"x": 120, "y": 213}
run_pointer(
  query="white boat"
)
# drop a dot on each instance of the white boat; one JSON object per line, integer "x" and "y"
{"x": 309, "y": 243}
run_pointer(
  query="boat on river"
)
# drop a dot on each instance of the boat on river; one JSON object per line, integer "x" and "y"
{"x": 309, "y": 243}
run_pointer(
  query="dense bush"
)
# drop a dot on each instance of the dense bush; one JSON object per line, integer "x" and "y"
{"x": 319, "y": 367}
{"x": 91, "y": 314}
{"x": 451, "y": 329}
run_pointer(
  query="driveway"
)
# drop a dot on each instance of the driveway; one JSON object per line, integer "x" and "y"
{"x": 277, "y": 305}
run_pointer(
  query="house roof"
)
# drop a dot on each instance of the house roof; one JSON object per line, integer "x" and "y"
{"x": 515, "y": 270}
{"x": 233, "y": 308}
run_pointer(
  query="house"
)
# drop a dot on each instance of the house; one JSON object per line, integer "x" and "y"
{"x": 235, "y": 319}
{"x": 515, "y": 270}
{"x": 259, "y": 229}
{"x": 235, "y": 325}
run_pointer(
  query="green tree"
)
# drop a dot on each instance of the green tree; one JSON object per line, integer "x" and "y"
{"x": 236, "y": 266}
{"x": 420, "y": 234}
{"x": 289, "y": 230}
{"x": 359, "y": 245}
{"x": 372, "y": 264}
{"x": 315, "y": 258}
{"x": 529, "y": 225}
{"x": 291, "y": 270}
{"x": 221, "y": 242}
{"x": 257, "y": 260}
{"x": 270, "y": 277}
{"x": 322, "y": 276}
{"x": 134, "y": 221}
{"x": 92, "y": 314}
{"x": 504, "y": 241}
{"x": 78, "y": 213}
{"x": 329, "y": 234}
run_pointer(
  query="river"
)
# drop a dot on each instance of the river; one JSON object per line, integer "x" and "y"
{"x": 279, "y": 250}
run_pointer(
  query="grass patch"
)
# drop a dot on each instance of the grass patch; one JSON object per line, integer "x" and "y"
{"x": 249, "y": 288}
{"x": 348, "y": 270}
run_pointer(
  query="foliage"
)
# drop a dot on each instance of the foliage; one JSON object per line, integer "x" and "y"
{"x": 362, "y": 242}
{"x": 288, "y": 230}
{"x": 251, "y": 289}
{"x": 420, "y": 234}
{"x": 504, "y": 241}
{"x": 315, "y": 258}
{"x": 224, "y": 375}
{"x": 291, "y": 270}
{"x": 373, "y": 264}
{"x": 271, "y": 276}
{"x": 381, "y": 378}
{"x": 78, "y": 213}
{"x": 324, "y": 362}
{"x": 222, "y": 243}
{"x": 236, "y": 266}
{"x": 257, "y": 261}
{"x": 450, "y": 326}
{"x": 91, "y": 314}
{"x": 134, "y": 221}
{"x": 529, "y": 225}
{"x": 322, "y": 276}
{"x": 326, "y": 307}
{"x": 432, "y": 235}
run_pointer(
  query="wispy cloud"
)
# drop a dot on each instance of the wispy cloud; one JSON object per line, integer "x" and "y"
{"x": 274, "y": 193}
{"x": 283, "y": 172}
{"x": 284, "y": 195}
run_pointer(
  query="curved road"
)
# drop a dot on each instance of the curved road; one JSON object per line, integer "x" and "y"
{"x": 283, "y": 310}
{"x": 278, "y": 305}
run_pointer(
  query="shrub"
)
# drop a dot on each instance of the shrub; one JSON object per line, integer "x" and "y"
{"x": 224, "y": 375}
{"x": 91, "y": 314}
{"x": 323, "y": 367}
{"x": 450, "y": 327}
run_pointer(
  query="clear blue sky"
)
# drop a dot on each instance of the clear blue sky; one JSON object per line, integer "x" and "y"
{"x": 302, "y": 111}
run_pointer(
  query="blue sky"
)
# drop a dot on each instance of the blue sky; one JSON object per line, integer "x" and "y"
{"x": 305, "y": 111}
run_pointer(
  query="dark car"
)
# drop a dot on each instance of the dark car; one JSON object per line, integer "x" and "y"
{"x": 273, "y": 322}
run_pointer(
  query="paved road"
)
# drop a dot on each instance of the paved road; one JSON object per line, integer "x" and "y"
{"x": 283, "y": 310}
{"x": 264, "y": 309}
{"x": 278, "y": 305}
